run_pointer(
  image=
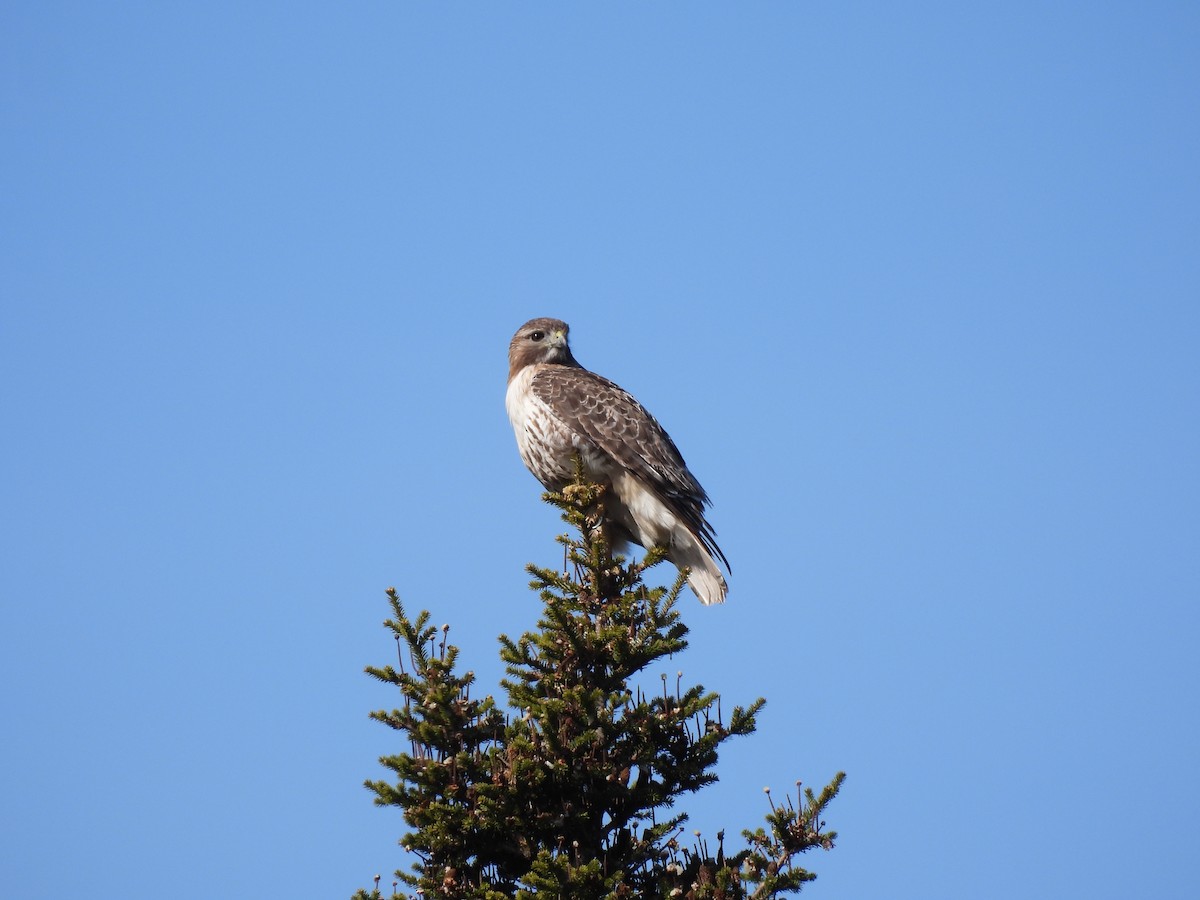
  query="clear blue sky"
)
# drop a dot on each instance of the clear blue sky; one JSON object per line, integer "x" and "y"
{"x": 915, "y": 287}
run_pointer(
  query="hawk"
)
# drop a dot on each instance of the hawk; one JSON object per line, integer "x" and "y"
{"x": 558, "y": 409}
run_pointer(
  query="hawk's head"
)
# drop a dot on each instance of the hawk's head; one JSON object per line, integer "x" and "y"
{"x": 540, "y": 341}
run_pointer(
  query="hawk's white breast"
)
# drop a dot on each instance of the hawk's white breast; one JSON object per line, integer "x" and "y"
{"x": 546, "y": 443}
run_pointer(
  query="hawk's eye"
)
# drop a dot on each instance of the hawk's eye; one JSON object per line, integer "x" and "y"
{"x": 537, "y": 335}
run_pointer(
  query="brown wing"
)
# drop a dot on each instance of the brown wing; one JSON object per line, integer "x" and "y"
{"x": 615, "y": 422}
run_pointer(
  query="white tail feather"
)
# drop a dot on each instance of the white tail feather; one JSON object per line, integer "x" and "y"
{"x": 704, "y": 578}
{"x": 651, "y": 523}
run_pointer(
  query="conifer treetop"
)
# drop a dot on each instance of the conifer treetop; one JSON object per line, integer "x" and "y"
{"x": 571, "y": 790}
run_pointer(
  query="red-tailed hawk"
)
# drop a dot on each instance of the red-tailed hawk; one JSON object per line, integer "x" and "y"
{"x": 558, "y": 408}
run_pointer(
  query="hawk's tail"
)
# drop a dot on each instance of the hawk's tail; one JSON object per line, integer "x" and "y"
{"x": 703, "y": 575}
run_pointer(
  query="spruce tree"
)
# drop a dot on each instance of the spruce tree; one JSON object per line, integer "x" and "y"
{"x": 570, "y": 791}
